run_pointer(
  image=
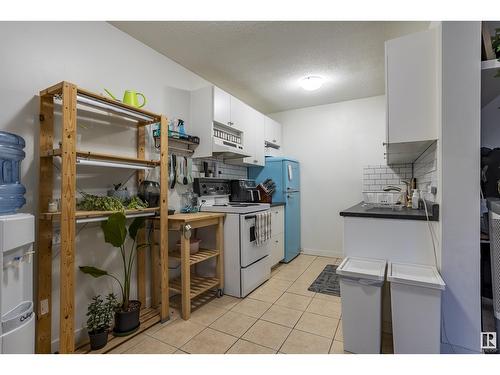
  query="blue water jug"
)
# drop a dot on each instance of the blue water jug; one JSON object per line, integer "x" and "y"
{"x": 11, "y": 189}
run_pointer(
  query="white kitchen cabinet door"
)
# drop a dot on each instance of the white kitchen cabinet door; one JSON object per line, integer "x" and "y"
{"x": 254, "y": 133}
{"x": 277, "y": 249}
{"x": 412, "y": 87}
{"x": 277, "y": 220}
{"x": 239, "y": 114}
{"x": 273, "y": 131}
{"x": 222, "y": 107}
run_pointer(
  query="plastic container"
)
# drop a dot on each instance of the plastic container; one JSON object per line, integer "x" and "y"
{"x": 361, "y": 281}
{"x": 194, "y": 245}
{"x": 416, "y": 308}
{"x": 11, "y": 189}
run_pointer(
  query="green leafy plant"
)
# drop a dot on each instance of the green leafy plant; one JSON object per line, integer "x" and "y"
{"x": 115, "y": 233}
{"x": 100, "y": 313}
{"x": 104, "y": 203}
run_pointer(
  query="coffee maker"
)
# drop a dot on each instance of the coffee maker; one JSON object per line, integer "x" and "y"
{"x": 244, "y": 191}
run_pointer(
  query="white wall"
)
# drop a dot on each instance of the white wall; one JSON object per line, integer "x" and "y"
{"x": 92, "y": 55}
{"x": 459, "y": 177}
{"x": 332, "y": 143}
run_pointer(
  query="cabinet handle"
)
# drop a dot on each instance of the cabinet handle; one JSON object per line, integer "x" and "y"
{"x": 255, "y": 161}
{"x": 276, "y": 241}
{"x": 276, "y": 212}
{"x": 274, "y": 140}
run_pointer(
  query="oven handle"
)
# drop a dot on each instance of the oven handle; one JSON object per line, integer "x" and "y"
{"x": 250, "y": 217}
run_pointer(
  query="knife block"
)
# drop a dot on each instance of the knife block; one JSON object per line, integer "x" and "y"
{"x": 265, "y": 197}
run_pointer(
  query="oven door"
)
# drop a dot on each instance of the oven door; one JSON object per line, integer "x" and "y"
{"x": 250, "y": 252}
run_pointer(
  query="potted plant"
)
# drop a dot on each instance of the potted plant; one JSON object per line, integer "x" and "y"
{"x": 99, "y": 317}
{"x": 115, "y": 233}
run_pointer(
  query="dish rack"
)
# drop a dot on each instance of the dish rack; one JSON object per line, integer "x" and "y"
{"x": 382, "y": 199}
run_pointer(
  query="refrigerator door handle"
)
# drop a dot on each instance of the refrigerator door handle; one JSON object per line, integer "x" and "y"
{"x": 290, "y": 175}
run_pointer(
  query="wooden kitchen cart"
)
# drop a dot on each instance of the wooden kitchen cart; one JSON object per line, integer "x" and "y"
{"x": 69, "y": 99}
{"x": 190, "y": 285}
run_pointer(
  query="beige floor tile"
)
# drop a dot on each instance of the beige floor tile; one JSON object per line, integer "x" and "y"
{"x": 337, "y": 347}
{"x": 305, "y": 343}
{"x": 328, "y": 297}
{"x": 209, "y": 341}
{"x": 294, "y": 301}
{"x": 326, "y": 308}
{"x": 301, "y": 288}
{"x": 267, "y": 294}
{"x": 267, "y": 334}
{"x": 252, "y": 307}
{"x": 247, "y": 347}
{"x": 224, "y": 302}
{"x": 282, "y": 315}
{"x": 339, "y": 335}
{"x": 207, "y": 314}
{"x": 178, "y": 332}
{"x": 277, "y": 284}
{"x": 129, "y": 344}
{"x": 318, "y": 325}
{"x": 233, "y": 323}
{"x": 290, "y": 273}
{"x": 178, "y": 351}
{"x": 151, "y": 346}
{"x": 276, "y": 269}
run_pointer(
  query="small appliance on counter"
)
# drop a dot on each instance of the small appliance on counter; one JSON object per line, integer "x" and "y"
{"x": 149, "y": 191}
{"x": 244, "y": 191}
{"x": 246, "y": 264}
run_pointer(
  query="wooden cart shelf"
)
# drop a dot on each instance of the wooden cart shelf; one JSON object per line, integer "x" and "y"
{"x": 101, "y": 214}
{"x": 198, "y": 285}
{"x": 72, "y": 99}
{"x": 89, "y": 155}
{"x": 149, "y": 317}
{"x": 200, "y": 256}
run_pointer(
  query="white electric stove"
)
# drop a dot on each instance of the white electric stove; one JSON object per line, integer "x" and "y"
{"x": 246, "y": 265}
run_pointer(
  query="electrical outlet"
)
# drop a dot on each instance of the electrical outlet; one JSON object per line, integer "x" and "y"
{"x": 434, "y": 190}
{"x": 44, "y": 307}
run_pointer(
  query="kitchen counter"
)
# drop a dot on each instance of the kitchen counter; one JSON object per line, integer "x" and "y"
{"x": 360, "y": 210}
{"x": 275, "y": 204}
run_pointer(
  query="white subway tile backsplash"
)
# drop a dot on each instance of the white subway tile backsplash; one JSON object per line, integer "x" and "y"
{"x": 385, "y": 175}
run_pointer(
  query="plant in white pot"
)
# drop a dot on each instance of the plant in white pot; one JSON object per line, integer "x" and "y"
{"x": 115, "y": 233}
{"x": 99, "y": 316}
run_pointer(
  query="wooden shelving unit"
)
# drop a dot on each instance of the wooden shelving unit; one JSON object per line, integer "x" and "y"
{"x": 72, "y": 98}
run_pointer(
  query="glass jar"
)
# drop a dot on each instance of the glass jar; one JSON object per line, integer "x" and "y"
{"x": 189, "y": 202}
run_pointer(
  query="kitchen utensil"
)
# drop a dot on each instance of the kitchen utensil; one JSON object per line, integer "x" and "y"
{"x": 180, "y": 169}
{"x": 130, "y": 97}
{"x": 205, "y": 168}
{"x": 174, "y": 171}
{"x": 171, "y": 175}
{"x": 185, "y": 179}
{"x": 189, "y": 172}
{"x": 149, "y": 191}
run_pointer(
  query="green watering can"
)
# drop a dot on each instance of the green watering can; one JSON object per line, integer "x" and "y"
{"x": 130, "y": 97}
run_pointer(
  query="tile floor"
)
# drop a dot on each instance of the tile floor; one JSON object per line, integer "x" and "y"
{"x": 281, "y": 316}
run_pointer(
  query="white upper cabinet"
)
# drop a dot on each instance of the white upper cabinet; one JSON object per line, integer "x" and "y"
{"x": 222, "y": 107}
{"x": 412, "y": 80}
{"x": 256, "y": 132}
{"x": 228, "y": 110}
{"x": 273, "y": 132}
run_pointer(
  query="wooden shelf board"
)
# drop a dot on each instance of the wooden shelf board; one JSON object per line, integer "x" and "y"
{"x": 200, "y": 256}
{"x": 97, "y": 214}
{"x": 199, "y": 285}
{"x": 149, "y": 317}
{"x": 107, "y": 157}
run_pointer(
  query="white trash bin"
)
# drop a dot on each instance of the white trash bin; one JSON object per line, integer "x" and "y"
{"x": 361, "y": 281}
{"x": 416, "y": 308}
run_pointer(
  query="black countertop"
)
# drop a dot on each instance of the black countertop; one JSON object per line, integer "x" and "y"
{"x": 360, "y": 210}
{"x": 274, "y": 204}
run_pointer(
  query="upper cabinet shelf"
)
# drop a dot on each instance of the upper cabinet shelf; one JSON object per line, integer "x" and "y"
{"x": 92, "y": 100}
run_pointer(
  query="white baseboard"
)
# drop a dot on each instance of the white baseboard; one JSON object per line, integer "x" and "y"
{"x": 323, "y": 253}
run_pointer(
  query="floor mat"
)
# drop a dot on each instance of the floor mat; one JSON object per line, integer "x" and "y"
{"x": 327, "y": 282}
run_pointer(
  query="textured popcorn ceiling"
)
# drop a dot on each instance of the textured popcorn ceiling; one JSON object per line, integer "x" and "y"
{"x": 262, "y": 62}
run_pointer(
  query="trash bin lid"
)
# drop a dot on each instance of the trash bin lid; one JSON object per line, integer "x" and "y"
{"x": 363, "y": 268}
{"x": 415, "y": 274}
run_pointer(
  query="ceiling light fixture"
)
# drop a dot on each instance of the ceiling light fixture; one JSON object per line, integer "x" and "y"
{"x": 311, "y": 83}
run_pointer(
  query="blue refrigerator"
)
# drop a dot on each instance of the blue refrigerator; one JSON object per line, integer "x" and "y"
{"x": 285, "y": 173}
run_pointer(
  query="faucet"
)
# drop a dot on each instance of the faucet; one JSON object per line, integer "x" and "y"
{"x": 407, "y": 196}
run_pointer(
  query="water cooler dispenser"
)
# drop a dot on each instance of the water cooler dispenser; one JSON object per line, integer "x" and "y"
{"x": 17, "y": 329}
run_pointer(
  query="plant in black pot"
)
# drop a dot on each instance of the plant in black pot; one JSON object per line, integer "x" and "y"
{"x": 99, "y": 317}
{"x": 115, "y": 233}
